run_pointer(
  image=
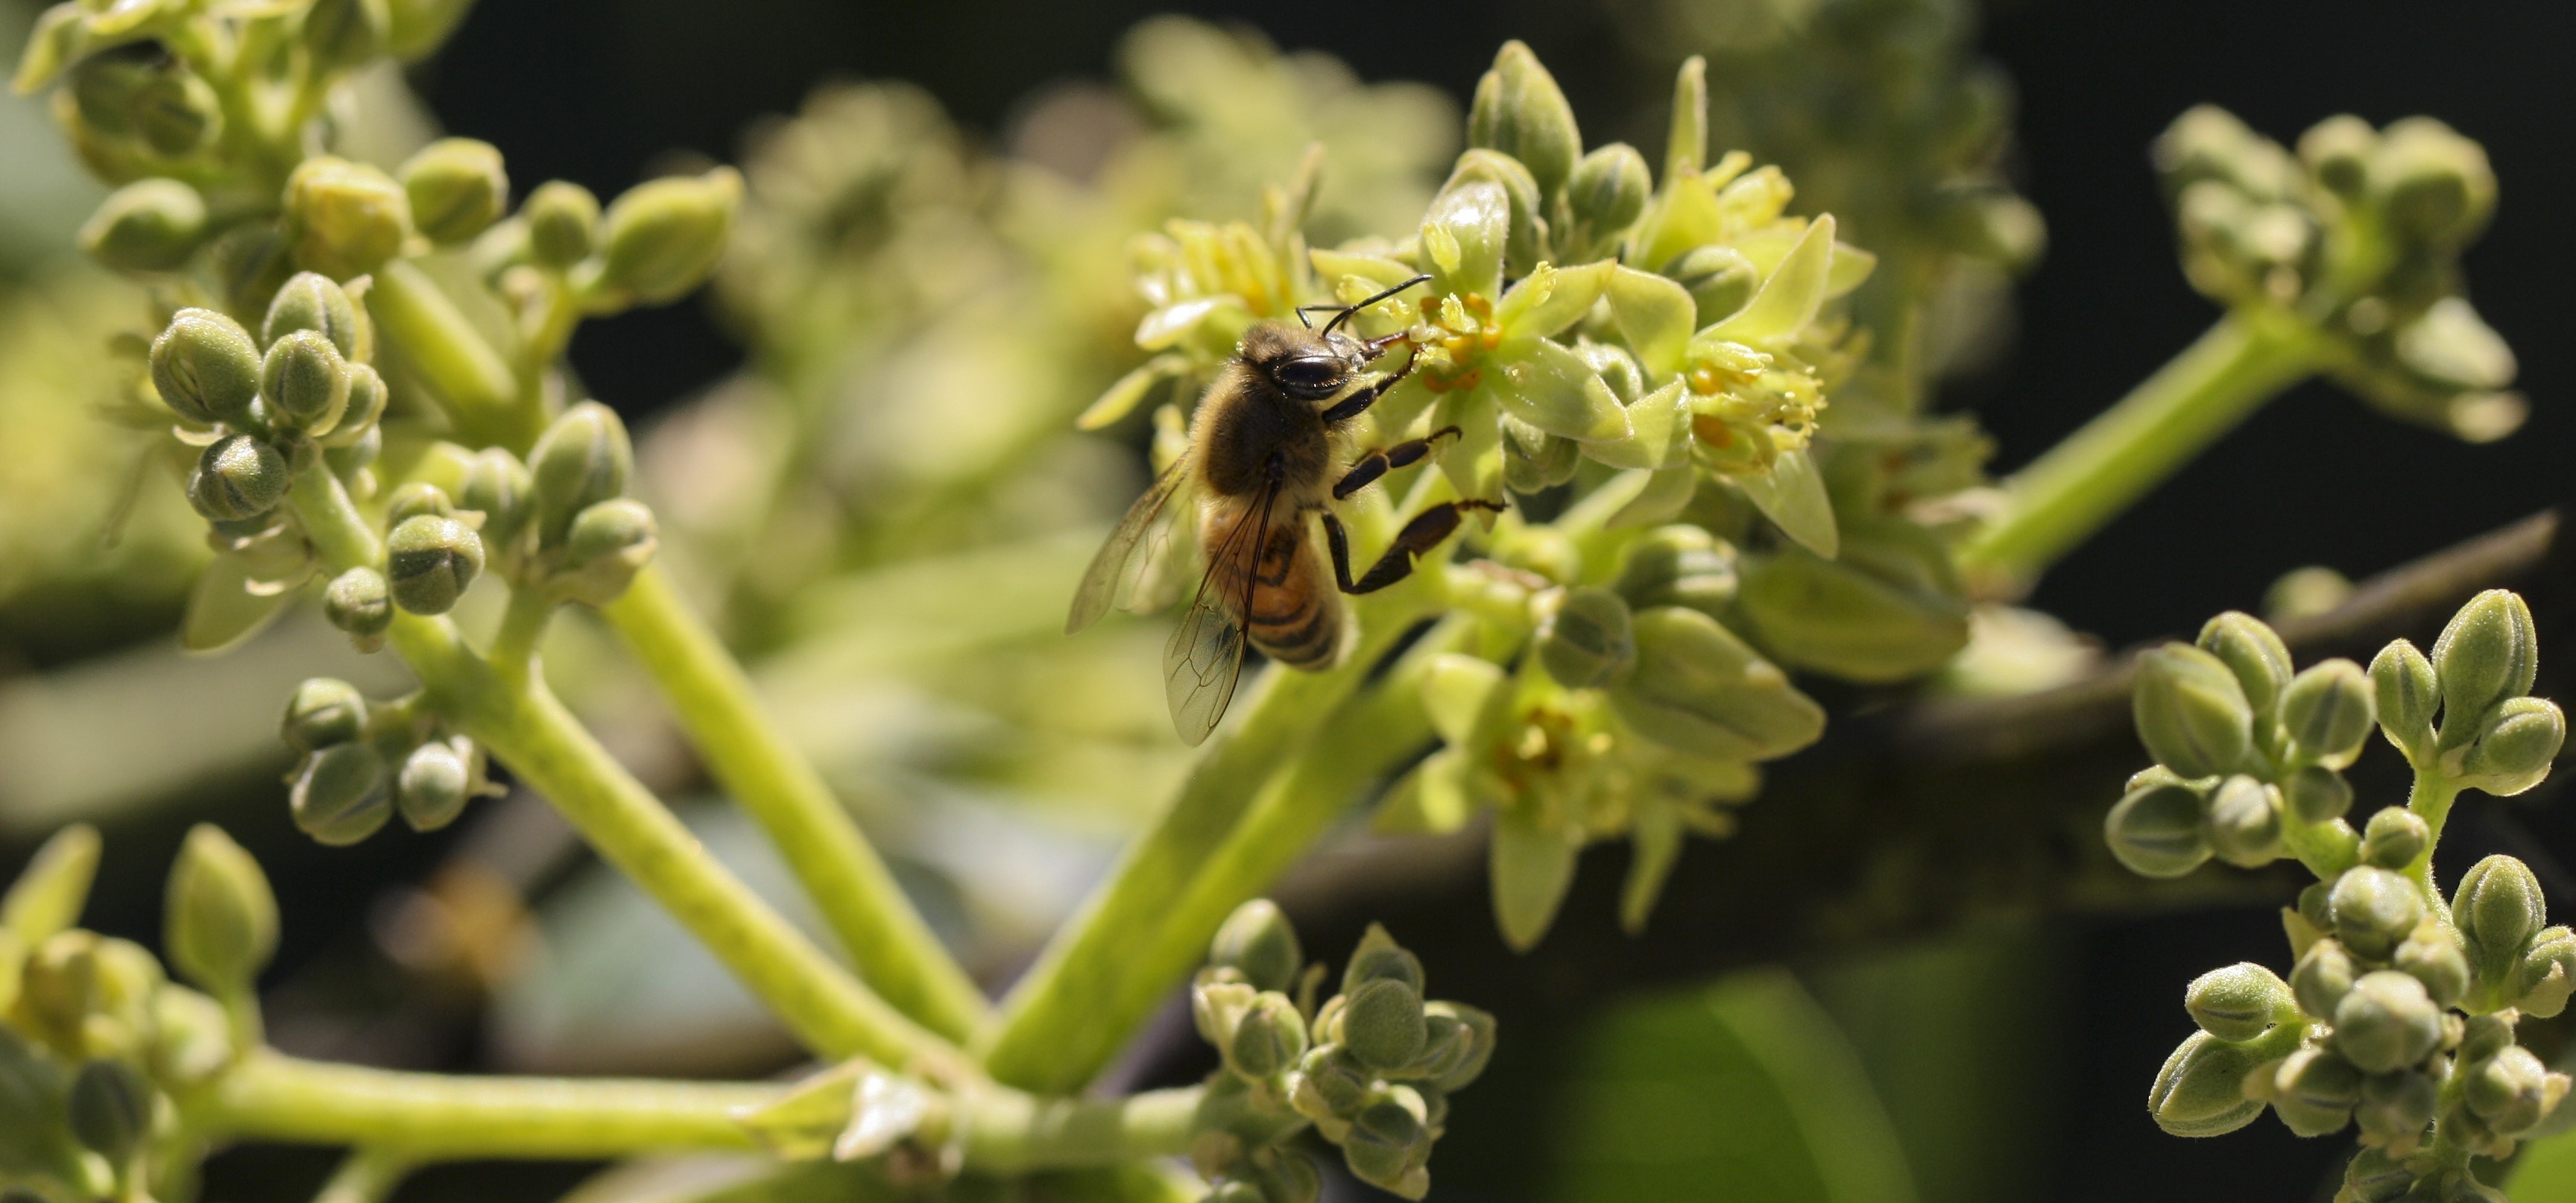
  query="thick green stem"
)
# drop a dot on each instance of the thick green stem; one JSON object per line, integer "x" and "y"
{"x": 367, "y": 1176}
{"x": 2080, "y": 484}
{"x": 1007, "y": 1132}
{"x": 1068, "y": 1016}
{"x": 451, "y": 356}
{"x": 893, "y": 947}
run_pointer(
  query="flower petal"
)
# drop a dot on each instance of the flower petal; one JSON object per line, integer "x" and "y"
{"x": 1548, "y": 300}
{"x": 1790, "y": 295}
{"x": 1655, "y": 315}
{"x": 1792, "y": 495}
{"x": 1463, "y": 234}
{"x": 1550, "y": 387}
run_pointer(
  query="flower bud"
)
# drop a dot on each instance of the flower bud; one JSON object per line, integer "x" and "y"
{"x": 2497, "y": 907}
{"x": 1258, "y": 942}
{"x": 110, "y": 1109}
{"x": 562, "y": 219}
{"x": 2488, "y": 653}
{"x": 2337, "y": 152}
{"x": 1679, "y": 566}
{"x": 2245, "y": 822}
{"x": 498, "y": 487}
{"x": 2394, "y": 838}
{"x": 1268, "y": 1039}
{"x": 2376, "y": 1176}
{"x": 2328, "y": 711}
{"x": 1382, "y": 1024}
{"x": 1719, "y": 279}
{"x": 457, "y": 188}
{"x": 415, "y": 499}
{"x": 2512, "y": 1090}
{"x": 2432, "y": 956}
{"x": 2515, "y": 746}
{"x": 2408, "y": 695}
{"x": 2157, "y": 830}
{"x": 581, "y": 460}
{"x": 1388, "y": 1142}
{"x": 1328, "y": 1084}
{"x": 206, "y": 368}
{"x": 344, "y": 219}
{"x": 2395, "y": 1108}
{"x": 2373, "y": 909}
{"x": 2548, "y": 973}
{"x": 2314, "y": 1091}
{"x": 1585, "y": 639}
{"x": 311, "y": 301}
{"x": 222, "y": 923}
{"x": 2238, "y": 1003}
{"x": 149, "y": 225}
{"x": 1697, "y": 688}
{"x": 1607, "y": 193}
{"x": 1288, "y": 1178}
{"x": 358, "y": 603}
{"x": 2191, "y": 713}
{"x": 2201, "y": 1089}
{"x": 2251, "y": 650}
{"x": 305, "y": 381}
{"x": 662, "y": 237}
{"x": 2387, "y": 1021}
{"x": 429, "y": 561}
{"x": 343, "y": 35}
{"x": 2432, "y": 185}
{"x": 52, "y": 889}
{"x": 175, "y": 112}
{"x": 433, "y": 786}
{"x": 342, "y": 794}
{"x": 1379, "y": 956}
{"x": 1888, "y": 608}
{"x": 610, "y": 543}
{"x": 2317, "y": 794}
{"x": 1539, "y": 461}
{"x": 1519, "y": 111}
{"x": 237, "y": 477}
{"x": 351, "y": 450}
{"x": 366, "y": 406}
{"x": 2321, "y": 978}
{"x": 323, "y": 712}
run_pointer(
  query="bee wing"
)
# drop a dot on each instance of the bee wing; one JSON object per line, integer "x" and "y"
{"x": 1205, "y": 657}
{"x": 1101, "y": 581}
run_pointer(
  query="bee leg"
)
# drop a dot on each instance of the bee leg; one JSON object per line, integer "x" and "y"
{"x": 1378, "y": 463}
{"x": 1423, "y": 533}
{"x": 1357, "y": 403}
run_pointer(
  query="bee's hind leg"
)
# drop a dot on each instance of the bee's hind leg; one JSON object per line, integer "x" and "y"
{"x": 1420, "y": 535}
{"x": 1378, "y": 463}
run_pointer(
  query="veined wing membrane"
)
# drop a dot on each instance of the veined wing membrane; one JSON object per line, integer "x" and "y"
{"x": 1108, "y": 571}
{"x": 1205, "y": 657}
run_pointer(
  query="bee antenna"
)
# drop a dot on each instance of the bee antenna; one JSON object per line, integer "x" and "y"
{"x": 1349, "y": 310}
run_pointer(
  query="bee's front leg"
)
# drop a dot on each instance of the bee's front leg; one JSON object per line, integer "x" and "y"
{"x": 1357, "y": 403}
{"x": 1378, "y": 463}
{"x": 1419, "y": 536}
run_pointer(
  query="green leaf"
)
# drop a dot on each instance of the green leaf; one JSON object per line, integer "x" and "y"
{"x": 1547, "y": 301}
{"x": 1790, "y": 294}
{"x": 1550, "y": 387}
{"x": 1532, "y": 868}
{"x": 1130, "y": 389}
{"x": 223, "y": 610}
{"x": 1463, "y": 237}
{"x": 1654, "y": 315}
{"x": 1660, "y": 432}
{"x": 1792, "y": 495}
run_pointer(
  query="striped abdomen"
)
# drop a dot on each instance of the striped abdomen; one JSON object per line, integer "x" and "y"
{"x": 1296, "y": 613}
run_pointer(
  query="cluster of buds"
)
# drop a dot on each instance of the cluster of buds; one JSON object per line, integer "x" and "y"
{"x": 2357, "y": 236}
{"x": 2399, "y": 1013}
{"x": 359, "y": 763}
{"x": 559, "y": 523}
{"x": 96, "y": 1043}
{"x": 1371, "y": 1069}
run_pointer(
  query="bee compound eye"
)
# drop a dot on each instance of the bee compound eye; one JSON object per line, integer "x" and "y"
{"x": 1308, "y": 373}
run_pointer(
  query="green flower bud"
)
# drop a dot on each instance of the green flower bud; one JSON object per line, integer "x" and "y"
{"x": 2483, "y": 1036}
{"x": 87, "y": 995}
{"x": 433, "y": 786}
{"x": 237, "y": 477}
{"x": 1720, "y": 280}
{"x": 311, "y": 301}
{"x": 2245, "y": 822}
{"x": 2497, "y": 908}
{"x": 1268, "y": 1039}
{"x": 1679, "y": 566}
{"x": 2321, "y": 978}
{"x": 222, "y": 923}
{"x": 2157, "y": 830}
{"x": 2395, "y": 1108}
{"x": 2317, "y": 794}
{"x": 1539, "y": 550}
{"x": 175, "y": 112}
{"x": 1541, "y": 461}
{"x": 305, "y": 381}
{"x": 2201, "y": 1089}
{"x": 353, "y": 449}
{"x": 1380, "y": 957}
{"x": 206, "y": 368}
{"x": 457, "y": 188}
{"x": 1388, "y": 1142}
{"x": 2191, "y": 713}
{"x": 2432, "y": 956}
{"x": 1585, "y": 639}
{"x": 1888, "y": 608}
{"x": 2238, "y": 1003}
{"x": 343, "y": 35}
{"x": 1519, "y": 111}
{"x": 562, "y": 219}
{"x": 662, "y": 237}
{"x": 1606, "y": 194}
{"x": 581, "y": 460}
{"x": 365, "y": 407}
{"x": 2373, "y": 909}
{"x": 2394, "y": 838}
{"x": 1328, "y": 1084}
{"x": 2432, "y": 185}
{"x": 2515, "y": 746}
{"x": 1699, "y": 689}
{"x": 2513, "y": 1091}
{"x": 104, "y": 87}
{"x": 250, "y": 263}
{"x": 110, "y": 1109}
{"x": 2337, "y": 152}
{"x": 2408, "y": 695}
{"x": 429, "y": 561}
{"x": 1258, "y": 942}
{"x": 2387, "y": 1021}
{"x": 149, "y": 225}
{"x": 2548, "y": 973}
{"x": 52, "y": 889}
{"x": 1216, "y": 1005}
{"x": 2251, "y": 650}
{"x": 415, "y": 499}
{"x": 2314, "y": 1092}
{"x": 1288, "y": 1178}
{"x": 2376, "y": 1176}
{"x": 610, "y": 543}
{"x": 357, "y": 602}
{"x": 1382, "y": 1024}
{"x": 342, "y": 794}
{"x": 2328, "y": 711}
{"x": 2488, "y": 653}
{"x": 498, "y": 487}
{"x": 344, "y": 219}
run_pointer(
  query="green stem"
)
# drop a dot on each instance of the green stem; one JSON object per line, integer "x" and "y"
{"x": 1007, "y": 1132}
{"x": 2431, "y": 800}
{"x": 2080, "y": 484}
{"x": 523, "y": 624}
{"x": 894, "y": 948}
{"x": 1069, "y": 1014}
{"x": 414, "y": 314}
{"x": 367, "y": 1176}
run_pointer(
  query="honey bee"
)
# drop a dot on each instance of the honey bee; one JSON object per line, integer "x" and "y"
{"x": 1265, "y": 453}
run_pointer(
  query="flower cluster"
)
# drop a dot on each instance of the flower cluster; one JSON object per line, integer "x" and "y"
{"x": 2399, "y": 1012}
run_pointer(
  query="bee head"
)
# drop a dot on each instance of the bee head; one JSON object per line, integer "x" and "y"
{"x": 1316, "y": 364}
